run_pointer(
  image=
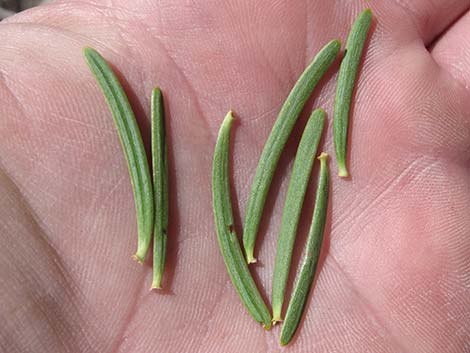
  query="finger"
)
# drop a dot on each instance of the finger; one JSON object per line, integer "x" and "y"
{"x": 38, "y": 298}
{"x": 452, "y": 51}
{"x": 432, "y": 17}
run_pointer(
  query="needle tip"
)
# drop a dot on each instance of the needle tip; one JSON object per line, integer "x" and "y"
{"x": 343, "y": 173}
{"x": 342, "y": 170}
{"x": 267, "y": 327}
{"x": 138, "y": 259}
{"x": 250, "y": 259}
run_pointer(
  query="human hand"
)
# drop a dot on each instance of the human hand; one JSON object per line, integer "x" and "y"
{"x": 394, "y": 275}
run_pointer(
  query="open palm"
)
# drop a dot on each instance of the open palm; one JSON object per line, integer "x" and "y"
{"x": 396, "y": 263}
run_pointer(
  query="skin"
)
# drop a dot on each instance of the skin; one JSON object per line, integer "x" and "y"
{"x": 394, "y": 270}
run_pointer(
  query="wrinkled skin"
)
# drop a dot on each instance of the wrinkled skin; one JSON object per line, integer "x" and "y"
{"x": 396, "y": 262}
